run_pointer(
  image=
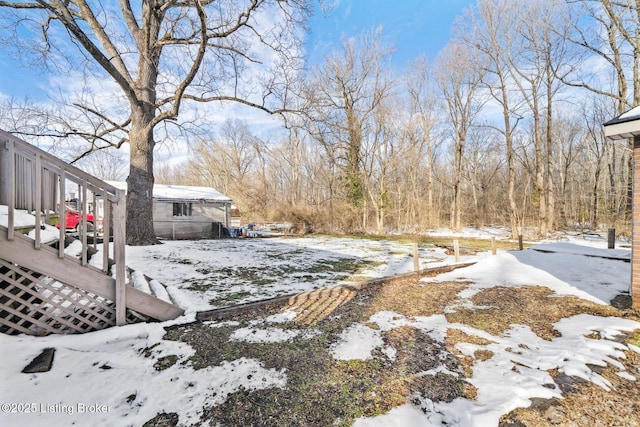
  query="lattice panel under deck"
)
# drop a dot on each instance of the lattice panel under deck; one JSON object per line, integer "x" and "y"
{"x": 37, "y": 305}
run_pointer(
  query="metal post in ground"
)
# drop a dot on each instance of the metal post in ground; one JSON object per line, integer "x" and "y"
{"x": 611, "y": 238}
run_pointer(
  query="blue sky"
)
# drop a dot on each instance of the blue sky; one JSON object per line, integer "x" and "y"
{"x": 413, "y": 27}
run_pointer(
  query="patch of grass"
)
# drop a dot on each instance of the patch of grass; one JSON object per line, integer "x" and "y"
{"x": 413, "y": 298}
{"x": 284, "y": 255}
{"x": 456, "y": 336}
{"x": 473, "y": 244}
{"x": 335, "y": 269}
{"x": 163, "y": 420}
{"x": 483, "y": 355}
{"x": 399, "y": 253}
{"x": 356, "y": 279}
{"x": 323, "y": 391}
{"x": 198, "y": 285}
{"x": 585, "y": 403}
{"x": 529, "y": 305}
{"x": 342, "y": 265}
{"x": 236, "y": 295}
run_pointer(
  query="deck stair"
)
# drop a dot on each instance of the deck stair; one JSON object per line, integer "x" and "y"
{"x": 44, "y": 289}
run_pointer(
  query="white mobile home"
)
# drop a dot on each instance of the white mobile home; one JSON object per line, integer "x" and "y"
{"x": 185, "y": 212}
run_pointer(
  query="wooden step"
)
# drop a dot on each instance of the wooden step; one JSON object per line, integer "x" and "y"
{"x": 46, "y": 261}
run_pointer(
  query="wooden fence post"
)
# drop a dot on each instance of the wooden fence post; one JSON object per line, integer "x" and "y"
{"x": 493, "y": 245}
{"x": 520, "y": 244}
{"x": 119, "y": 239}
{"x": 456, "y": 250}
{"x": 416, "y": 259}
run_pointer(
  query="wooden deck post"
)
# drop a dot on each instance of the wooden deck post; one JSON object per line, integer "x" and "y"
{"x": 119, "y": 238}
{"x": 4, "y": 172}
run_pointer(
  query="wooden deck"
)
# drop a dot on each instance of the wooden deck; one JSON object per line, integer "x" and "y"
{"x": 42, "y": 290}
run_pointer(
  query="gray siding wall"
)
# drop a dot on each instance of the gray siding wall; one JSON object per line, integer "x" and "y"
{"x": 197, "y": 226}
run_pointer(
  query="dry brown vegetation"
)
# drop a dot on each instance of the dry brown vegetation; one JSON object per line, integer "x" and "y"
{"x": 322, "y": 391}
{"x": 533, "y": 306}
{"x": 586, "y": 404}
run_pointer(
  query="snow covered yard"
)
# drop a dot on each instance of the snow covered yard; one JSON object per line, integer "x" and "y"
{"x": 466, "y": 348}
{"x": 217, "y": 273}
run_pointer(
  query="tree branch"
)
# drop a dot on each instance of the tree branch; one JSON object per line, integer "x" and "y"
{"x": 65, "y": 16}
{"x": 202, "y": 49}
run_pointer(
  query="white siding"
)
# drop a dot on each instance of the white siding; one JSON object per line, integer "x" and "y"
{"x": 197, "y": 226}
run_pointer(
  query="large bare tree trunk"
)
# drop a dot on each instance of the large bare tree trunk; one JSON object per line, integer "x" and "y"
{"x": 140, "y": 181}
{"x": 549, "y": 195}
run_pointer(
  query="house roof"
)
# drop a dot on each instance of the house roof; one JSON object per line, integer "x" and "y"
{"x": 626, "y": 125}
{"x": 180, "y": 192}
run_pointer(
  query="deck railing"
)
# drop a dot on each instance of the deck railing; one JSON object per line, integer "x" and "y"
{"x": 36, "y": 181}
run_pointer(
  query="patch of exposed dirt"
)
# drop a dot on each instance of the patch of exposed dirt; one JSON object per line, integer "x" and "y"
{"x": 163, "y": 420}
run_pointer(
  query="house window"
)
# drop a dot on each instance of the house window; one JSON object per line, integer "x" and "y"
{"x": 182, "y": 209}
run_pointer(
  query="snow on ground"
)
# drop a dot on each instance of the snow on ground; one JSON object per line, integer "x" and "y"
{"x": 517, "y": 371}
{"x": 488, "y": 232}
{"x": 356, "y": 343}
{"x": 104, "y": 378}
{"x": 21, "y": 218}
{"x": 569, "y": 269}
{"x": 215, "y": 273}
{"x": 109, "y": 377}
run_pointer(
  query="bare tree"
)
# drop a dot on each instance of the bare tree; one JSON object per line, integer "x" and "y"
{"x": 459, "y": 73}
{"x": 537, "y": 53}
{"x": 346, "y": 90}
{"x": 606, "y": 33}
{"x": 490, "y": 28}
{"x": 106, "y": 164}
{"x": 229, "y": 163}
{"x": 423, "y": 113}
{"x": 161, "y": 55}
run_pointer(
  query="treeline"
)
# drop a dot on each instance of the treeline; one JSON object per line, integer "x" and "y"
{"x": 504, "y": 127}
